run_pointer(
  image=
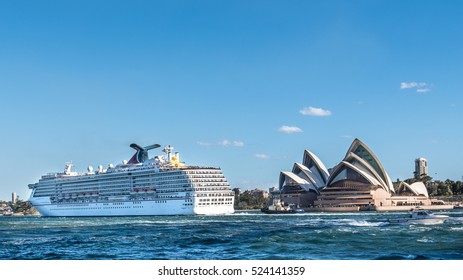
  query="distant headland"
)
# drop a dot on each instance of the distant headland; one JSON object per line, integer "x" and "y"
{"x": 18, "y": 208}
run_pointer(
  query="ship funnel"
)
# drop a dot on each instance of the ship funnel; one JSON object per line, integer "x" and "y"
{"x": 142, "y": 153}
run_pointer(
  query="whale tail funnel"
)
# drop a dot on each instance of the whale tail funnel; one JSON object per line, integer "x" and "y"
{"x": 142, "y": 153}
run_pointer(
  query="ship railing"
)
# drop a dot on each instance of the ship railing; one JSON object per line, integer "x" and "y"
{"x": 169, "y": 168}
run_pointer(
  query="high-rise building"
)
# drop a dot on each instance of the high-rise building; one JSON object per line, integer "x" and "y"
{"x": 421, "y": 167}
{"x": 14, "y": 198}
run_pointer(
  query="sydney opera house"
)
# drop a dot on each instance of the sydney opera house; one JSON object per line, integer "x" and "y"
{"x": 358, "y": 182}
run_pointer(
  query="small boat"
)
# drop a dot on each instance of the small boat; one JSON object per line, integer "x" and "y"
{"x": 289, "y": 211}
{"x": 278, "y": 207}
{"x": 420, "y": 216}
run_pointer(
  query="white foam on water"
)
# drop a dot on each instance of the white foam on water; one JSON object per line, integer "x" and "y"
{"x": 363, "y": 223}
{"x": 425, "y": 240}
{"x": 245, "y": 214}
{"x": 456, "y": 229}
{"x": 343, "y": 229}
{"x": 455, "y": 220}
{"x": 420, "y": 228}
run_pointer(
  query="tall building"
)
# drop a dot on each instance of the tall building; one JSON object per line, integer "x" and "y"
{"x": 421, "y": 167}
{"x": 14, "y": 198}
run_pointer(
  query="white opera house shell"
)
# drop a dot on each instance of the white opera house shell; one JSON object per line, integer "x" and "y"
{"x": 358, "y": 182}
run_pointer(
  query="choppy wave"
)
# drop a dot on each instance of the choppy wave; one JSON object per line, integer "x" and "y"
{"x": 455, "y": 220}
{"x": 363, "y": 223}
{"x": 401, "y": 257}
{"x": 425, "y": 240}
{"x": 243, "y": 235}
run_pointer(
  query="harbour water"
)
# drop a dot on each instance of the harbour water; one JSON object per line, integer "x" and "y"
{"x": 240, "y": 236}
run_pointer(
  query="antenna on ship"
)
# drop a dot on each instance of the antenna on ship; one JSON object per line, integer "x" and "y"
{"x": 67, "y": 169}
{"x": 142, "y": 153}
{"x": 168, "y": 150}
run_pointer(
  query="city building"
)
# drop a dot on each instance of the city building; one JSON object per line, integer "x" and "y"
{"x": 421, "y": 167}
{"x": 257, "y": 193}
{"x": 14, "y": 198}
{"x": 5, "y": 209}
{"x": 358, "y": 182}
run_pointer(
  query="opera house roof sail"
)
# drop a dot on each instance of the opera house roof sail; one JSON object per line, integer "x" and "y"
{"x": 311, "y": 175}
{"x": 358, "y": 182}
{"x": 417, "y": 188}
{"x": 360, "y": 155}
{"x": 346, "y": 171}
{"x": 316, "y": 167}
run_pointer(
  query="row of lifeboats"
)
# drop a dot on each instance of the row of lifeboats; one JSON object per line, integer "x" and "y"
{"x": 82, "y": 194}
{"x": 143, "y": 190}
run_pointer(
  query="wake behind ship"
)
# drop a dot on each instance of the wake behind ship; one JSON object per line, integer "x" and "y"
{"x": 142, "y": 186}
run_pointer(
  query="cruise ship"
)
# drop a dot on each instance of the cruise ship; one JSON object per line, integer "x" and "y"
{"x": 161, "y": 185}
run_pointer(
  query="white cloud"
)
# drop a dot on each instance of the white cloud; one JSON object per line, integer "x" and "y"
{"x": 262, "y": 156}
{"x": 238, "y": 143}
{"x": 223, "y": 143}
{"x": 227, "y": 143}
{"x": 289, "y": 129}
{"x": 422, "y": 90}
{"x": 420, "y": 87}
{"x": 405, "y": 85}
{"x": 317, "y": 112}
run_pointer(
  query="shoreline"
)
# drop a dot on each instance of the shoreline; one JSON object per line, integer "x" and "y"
{"x": 376, "y": 208}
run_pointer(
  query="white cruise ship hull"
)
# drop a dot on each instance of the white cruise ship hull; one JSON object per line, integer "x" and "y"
{"x": 145, "y": 208}
{"x": 129, "y": 208}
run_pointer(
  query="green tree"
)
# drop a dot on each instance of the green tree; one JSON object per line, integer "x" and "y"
{"x": 248, "y": 200}
{"x": 457, "y": 188}
{"x": 432, "y": 189}
{"x": 21, "y": 206}
{"x": 426, "y": 179}
{"x": 443, "y": 189}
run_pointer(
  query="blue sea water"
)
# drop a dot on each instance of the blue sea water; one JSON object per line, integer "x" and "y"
{"x": 240, "y": 236}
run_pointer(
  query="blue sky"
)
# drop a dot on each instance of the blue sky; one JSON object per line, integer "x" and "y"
{"x": 243, "y": 85}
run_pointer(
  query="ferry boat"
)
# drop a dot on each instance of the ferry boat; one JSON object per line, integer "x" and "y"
{"x": 278, "y": 207}
{"x": 162, "y": 185}
{"x": 420, "y": 216}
